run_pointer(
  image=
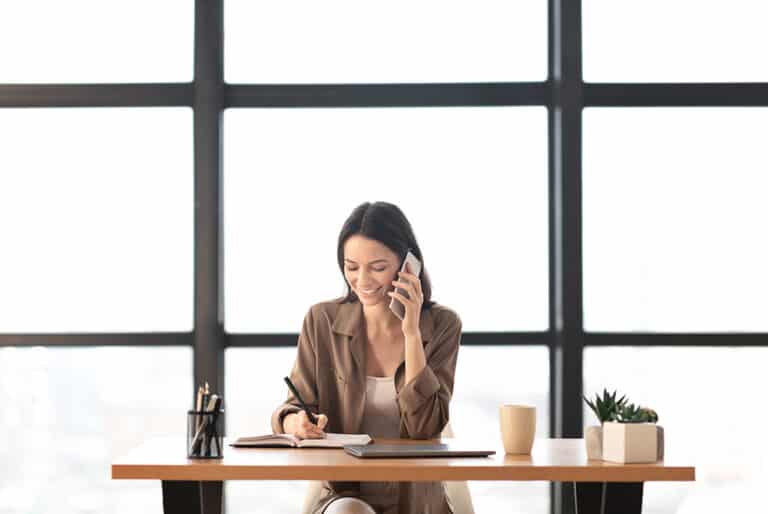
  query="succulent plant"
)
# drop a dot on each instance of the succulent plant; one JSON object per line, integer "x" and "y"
{"x": 606, "y": 408}
{"x": 630, "y": 413}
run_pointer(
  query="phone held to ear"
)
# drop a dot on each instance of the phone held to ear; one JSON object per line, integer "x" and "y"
{"x": 414, "y": 265}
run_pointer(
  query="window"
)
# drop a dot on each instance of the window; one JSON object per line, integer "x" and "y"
{"x": 97, "y": 220}
{"x": 343, "y": 41}
{"x": 701, "y": 395}
{"x": 486, "y": 378}
{"x": 680, "y": 41}
{"x": 97, "y": 212}
{"x": 674, "y": 220}
{"x": 69, "y": 412}
{"x": 292, "y": 176}
{"x": 89, "y": 41}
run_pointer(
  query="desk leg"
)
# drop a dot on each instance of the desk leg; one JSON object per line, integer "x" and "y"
{"x": 180, "y": 497}
{"x": 608, "y": 497}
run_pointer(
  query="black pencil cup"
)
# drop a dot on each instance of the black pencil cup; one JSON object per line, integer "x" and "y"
{"x": 205, "y": 434}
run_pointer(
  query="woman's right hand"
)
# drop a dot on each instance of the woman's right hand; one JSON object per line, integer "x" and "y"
{"x": 298, "y": 424}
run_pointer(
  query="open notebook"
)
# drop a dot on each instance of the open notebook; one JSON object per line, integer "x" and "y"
{"x": 330, "y": 441}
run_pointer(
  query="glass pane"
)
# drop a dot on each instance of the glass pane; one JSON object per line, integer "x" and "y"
{"x": 712, "y": 419}
{"x": 473, "y": 182}
{"x": 96, "y": 219}
{"x": 95, "y": 41}
{"x": 674, "y": 220}
{"x": 261, "y": 370}
{"x": 680, "y": 41}
{"x": 69, "y": 412}
{"x": 400, "y": 41}
{"x": 486, "y": 377}
{"x": 92, "y": 41}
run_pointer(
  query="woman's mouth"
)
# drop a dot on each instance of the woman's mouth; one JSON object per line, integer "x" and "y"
{"x": 369, "y": 292}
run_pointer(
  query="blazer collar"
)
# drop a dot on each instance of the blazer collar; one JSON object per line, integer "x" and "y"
{"x": 349, "y": 321}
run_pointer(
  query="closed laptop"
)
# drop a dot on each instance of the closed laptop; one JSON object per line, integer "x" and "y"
{"x": 414, "y": 450}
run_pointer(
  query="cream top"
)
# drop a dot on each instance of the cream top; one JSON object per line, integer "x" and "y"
{"x": 381, "y": 417}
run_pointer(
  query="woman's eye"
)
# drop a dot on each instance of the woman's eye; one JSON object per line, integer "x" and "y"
{"x": 382, "y": 269}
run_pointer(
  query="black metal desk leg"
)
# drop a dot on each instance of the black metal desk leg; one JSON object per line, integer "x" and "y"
{"x": 183, "y": 497}
{"x": 608, "y": 497}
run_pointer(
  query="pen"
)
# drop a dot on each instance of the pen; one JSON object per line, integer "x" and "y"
{"x": 198, "y": 407}
{"x": 311, "y": 416}
{"x": 215, "y": 432}
{"x": 210, "y": 419}
{"x": 206, "y": 396}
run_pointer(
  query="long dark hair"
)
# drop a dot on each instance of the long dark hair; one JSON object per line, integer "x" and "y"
{"x": 383, "y": 222}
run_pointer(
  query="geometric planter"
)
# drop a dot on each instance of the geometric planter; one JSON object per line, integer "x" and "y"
{"x": 659, "y": 442}
{"x": 593, "y": 437}
{"x": 631, "y": 442}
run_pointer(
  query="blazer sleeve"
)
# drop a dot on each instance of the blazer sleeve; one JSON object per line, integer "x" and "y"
{"x": 424, "y": 400}
{"x": 303, "y": 375}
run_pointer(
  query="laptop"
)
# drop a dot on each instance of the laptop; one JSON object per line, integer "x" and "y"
{"x": 414, "y": 450}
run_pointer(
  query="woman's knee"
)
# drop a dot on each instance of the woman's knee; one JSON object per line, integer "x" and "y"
{"x": 349, "y": 506}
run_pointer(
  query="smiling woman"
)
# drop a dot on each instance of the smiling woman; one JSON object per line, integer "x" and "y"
{"x": 363, "y": 369}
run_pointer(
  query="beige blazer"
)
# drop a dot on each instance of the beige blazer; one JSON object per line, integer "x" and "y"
{"x": 330, "y": 374}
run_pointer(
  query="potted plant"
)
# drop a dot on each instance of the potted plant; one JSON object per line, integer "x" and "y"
{"x": 627, "y": 433}
{"x": 606, "y": 409}
{"x": 633, "y": 437}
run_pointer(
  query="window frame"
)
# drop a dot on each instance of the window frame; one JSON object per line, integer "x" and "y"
{"x": 564, "y": 93}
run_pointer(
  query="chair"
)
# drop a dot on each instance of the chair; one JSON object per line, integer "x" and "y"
{"x": 458, "y": 492}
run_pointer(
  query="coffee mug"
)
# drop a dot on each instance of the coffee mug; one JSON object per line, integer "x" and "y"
{"x": 518, "y": 428}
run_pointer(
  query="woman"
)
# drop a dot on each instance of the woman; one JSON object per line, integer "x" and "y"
{"x": 367, "y": 371}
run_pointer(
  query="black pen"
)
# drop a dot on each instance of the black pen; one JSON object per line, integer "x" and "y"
{"x": 311, "y": 416}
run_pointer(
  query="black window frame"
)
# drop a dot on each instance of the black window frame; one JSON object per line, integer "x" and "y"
{"x": 564, "y": 94}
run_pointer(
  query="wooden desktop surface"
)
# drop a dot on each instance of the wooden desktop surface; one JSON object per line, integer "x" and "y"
{"x": 557, "y": 460}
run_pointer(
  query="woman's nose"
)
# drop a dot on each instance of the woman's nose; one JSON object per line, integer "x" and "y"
{"x": 362, "y": 278}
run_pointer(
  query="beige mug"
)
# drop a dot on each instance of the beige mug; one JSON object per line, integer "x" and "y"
{"x": 518, "y": 428}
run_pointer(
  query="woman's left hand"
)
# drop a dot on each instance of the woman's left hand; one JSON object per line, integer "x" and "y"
{"x": 412, "y": 285}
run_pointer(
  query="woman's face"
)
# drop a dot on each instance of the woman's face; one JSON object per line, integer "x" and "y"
{"x": 369, "y": 267}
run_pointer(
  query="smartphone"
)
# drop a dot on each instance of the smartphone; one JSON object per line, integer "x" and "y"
{"x": 415, "y": 267}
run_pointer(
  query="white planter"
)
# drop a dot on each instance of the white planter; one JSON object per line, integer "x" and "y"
{"x": 659, "y": 442}
{"x": 629, "y": 443}
{"x": 593, "y": 437}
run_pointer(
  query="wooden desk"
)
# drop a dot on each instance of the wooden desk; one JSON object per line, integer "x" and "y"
{"x": 195, "y": 486}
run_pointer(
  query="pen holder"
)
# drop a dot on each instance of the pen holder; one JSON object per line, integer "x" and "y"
{"x": 205, "y": 434}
